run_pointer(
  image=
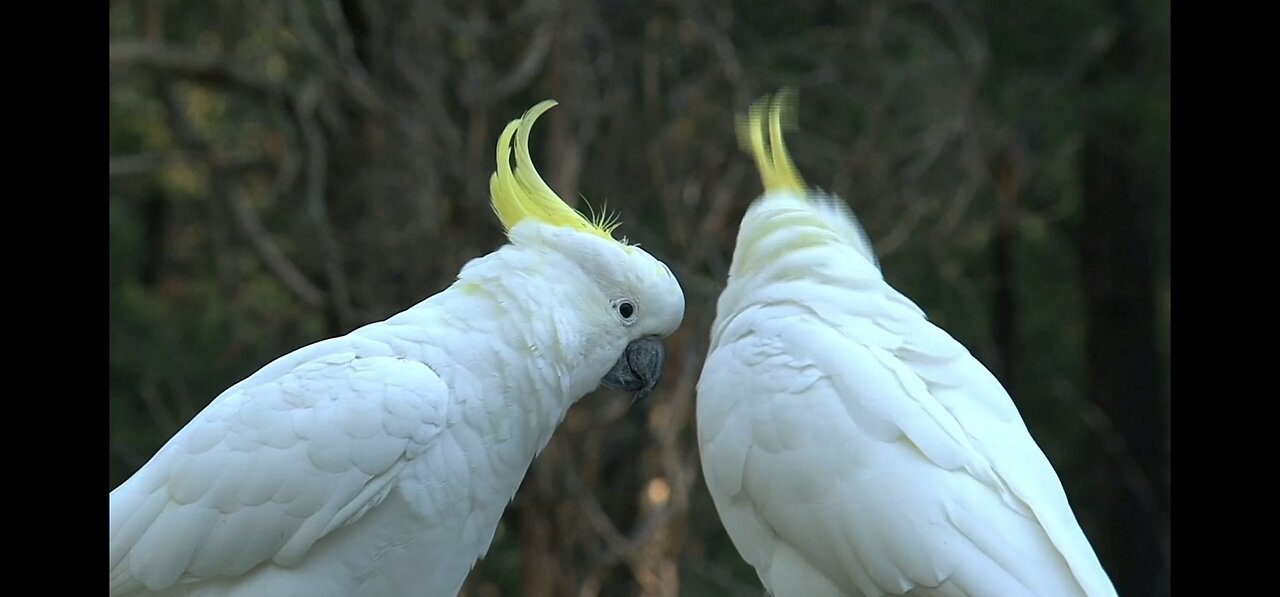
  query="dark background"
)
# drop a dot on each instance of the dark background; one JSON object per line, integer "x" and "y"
{"x": 283, "y": 171}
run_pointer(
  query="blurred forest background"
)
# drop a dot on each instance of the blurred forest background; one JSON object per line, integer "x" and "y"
{"x": 283, "y": 171}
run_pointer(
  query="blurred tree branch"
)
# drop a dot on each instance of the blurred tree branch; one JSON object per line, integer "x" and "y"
{"x": 145, "y": 163}
{"x": 375, "y": 120}
{"x": 199, "y": 66}
{"x": 225, "y": 187}
{"x": 1119, "y": 268}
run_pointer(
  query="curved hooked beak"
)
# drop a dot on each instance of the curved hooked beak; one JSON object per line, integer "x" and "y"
{"x": 639, "y": 368}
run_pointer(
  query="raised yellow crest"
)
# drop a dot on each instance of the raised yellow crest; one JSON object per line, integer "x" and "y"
{"x": 521, "y": 193}
{"x": 760, "y": 133}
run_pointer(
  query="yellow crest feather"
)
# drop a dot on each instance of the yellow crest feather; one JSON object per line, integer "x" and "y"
{"x": 522, "y": 193}
{"x": 760, "y": 133}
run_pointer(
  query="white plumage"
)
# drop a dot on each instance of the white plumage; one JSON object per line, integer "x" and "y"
{"x": 379, "y": 463}
{"x": 851, "y": 446}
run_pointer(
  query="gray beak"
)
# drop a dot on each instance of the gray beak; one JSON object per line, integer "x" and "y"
{"x": 639, "y": 368}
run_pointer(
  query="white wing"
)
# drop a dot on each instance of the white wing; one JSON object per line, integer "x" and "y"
{"x": 875, "y": 455}
{"x": 305, "y": 446}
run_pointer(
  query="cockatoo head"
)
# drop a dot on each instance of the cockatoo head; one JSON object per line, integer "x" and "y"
{"x": 812, "y": 214}
{"x": 629, "y": 301}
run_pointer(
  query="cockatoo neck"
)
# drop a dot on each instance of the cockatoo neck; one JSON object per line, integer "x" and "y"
{"x": 516, "y": 324}
{"x": 786, "y": 249}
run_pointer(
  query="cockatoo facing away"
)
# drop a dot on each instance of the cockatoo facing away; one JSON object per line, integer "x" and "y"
{"x": 851, "y": 446}
{"x": 379, "y": 463}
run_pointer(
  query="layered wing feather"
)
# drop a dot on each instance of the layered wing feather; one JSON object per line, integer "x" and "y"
{"x": 852, "y": 447}
{"x": 305, "y": 446}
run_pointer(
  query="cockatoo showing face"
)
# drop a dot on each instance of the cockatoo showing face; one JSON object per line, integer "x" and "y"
{"x": 851, "y": 446}
{"x": 379, "y": 462}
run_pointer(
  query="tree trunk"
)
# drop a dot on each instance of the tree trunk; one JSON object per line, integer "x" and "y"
{"x": 1006, "y": 174}
{"x": 1118, "y": 268}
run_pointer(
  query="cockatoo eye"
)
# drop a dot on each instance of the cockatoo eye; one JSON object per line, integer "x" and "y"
{"x": 626, "y": 310}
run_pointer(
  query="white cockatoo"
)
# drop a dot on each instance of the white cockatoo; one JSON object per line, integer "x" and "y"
{"x": 379, "y": 462}
{"x": 852, "y": 447}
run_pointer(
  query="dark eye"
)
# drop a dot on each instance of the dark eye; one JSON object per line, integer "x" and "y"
{"x": 626, "y": 309}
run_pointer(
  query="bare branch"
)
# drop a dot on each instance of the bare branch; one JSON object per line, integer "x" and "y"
{"x": 271, "y": 255}
{"x": 224, "y": 187}
{"x": 520, "y": 76}
{"x": 969, "y": 36}
{"x": 138, "y": 163}
{"x": 1135, "y": 479}
{"x": 620, "y": 546}
{"x": 350, "y": 77}
{"x": 143, "y": 163}
{"x": 161, "y": 414}
{"x": 208, "y": 68}
{"x": 316, "y": 163}
{"x": 196, "y": 65}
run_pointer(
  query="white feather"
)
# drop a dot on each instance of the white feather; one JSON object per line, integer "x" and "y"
{"x": 379, "y": 463}
{"x": 853, "y": 448}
